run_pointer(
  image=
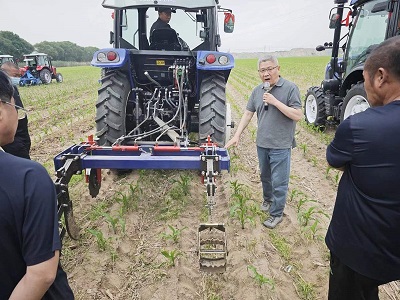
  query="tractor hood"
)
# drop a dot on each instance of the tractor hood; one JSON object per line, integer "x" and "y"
{"x": 121, "y": 4}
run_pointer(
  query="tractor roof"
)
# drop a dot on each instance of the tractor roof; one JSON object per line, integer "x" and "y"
{"x": 190, "y": 4}
{"x": 35, "y": 54}
{"x": 5, "y": 55}
{"x": 358, "y": 2}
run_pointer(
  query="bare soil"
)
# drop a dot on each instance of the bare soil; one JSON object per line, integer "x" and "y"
{"x": 291, "y": 261}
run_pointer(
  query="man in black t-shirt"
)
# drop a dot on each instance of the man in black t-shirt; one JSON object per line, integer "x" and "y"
{"x": 29, "y": 235}
{"x": 364, "y": 233}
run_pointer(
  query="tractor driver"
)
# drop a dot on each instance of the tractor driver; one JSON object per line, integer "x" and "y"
{"x": 164, "y": 16}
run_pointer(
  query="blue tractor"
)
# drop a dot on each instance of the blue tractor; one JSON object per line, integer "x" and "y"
{"x": 342, "y": 92}
{"x": 161, "y": 105}
{"x": 161, "y": 86}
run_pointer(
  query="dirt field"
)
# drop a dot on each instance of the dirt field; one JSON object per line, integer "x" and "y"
{"x": 125, "y": 229}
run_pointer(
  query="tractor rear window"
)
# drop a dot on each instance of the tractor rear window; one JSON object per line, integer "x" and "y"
{"x": 193, "y": 33}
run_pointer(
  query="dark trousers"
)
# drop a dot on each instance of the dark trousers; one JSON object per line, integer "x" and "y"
{"x": 346, "y": 284}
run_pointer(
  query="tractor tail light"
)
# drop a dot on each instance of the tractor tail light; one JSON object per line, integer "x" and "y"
{"x": 111, "y": 56}
{"x": 211, "y": 58}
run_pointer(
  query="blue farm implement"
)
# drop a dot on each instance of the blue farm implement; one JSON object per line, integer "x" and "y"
{"x": 29, "y": 79}
{"x": 90, "y": 158}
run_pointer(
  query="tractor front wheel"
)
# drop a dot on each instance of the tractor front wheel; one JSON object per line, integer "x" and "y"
{"x": 45, "y": 76}
{"x": 314, "y": 107}
{"x": 212, "y": 110}
{"x": 354, "y": 102}
{"x": 111, "y": 108}
{"x": 59, "y": 77}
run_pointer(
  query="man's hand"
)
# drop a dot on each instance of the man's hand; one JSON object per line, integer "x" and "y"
{"x": 269, "y": 99}
{"x": 233, "y": 141}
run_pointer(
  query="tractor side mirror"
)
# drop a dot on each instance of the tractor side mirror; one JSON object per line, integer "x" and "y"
{"x": 229, "y": 22}
{"x": 334, "y": 21}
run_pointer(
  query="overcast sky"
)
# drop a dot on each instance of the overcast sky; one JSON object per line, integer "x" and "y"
{"x": 261, "y": 25}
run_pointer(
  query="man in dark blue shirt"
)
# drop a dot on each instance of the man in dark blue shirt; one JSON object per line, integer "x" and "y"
{"x": 29, "y": 234}
{"x": 364, "y": 233}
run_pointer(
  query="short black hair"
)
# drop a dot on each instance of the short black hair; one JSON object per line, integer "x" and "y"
{"x": 6, "y": 87}
{"x": 386, "y": 55}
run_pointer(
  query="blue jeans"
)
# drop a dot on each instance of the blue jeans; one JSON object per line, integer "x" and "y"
{"x": 275, "y": 170}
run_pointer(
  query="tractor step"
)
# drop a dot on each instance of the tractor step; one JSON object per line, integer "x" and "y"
{"x": 212, "y": 248}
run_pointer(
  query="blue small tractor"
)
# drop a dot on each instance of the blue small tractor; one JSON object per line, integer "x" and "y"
{"x": 342, "y": 92}
{"x": 161, "y": 105}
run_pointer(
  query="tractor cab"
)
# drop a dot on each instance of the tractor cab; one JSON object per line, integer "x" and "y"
{"x": 4, "y": 58}
{"x": 192, "y": 26}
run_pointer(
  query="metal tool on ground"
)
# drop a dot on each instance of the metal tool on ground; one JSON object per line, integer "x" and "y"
{"x": 212, "y": 241}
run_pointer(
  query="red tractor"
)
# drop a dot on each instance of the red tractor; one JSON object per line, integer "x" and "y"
{"x": 38, "y": 66}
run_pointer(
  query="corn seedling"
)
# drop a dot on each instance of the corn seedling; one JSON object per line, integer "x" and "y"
{"x": 239, "y": 207}
{"x": 129, "y": 201}
{"x": 305, "y": 290}
{"x": 314, "y": 161}
{"x": 301, "y": 202}
{"x": 112, "y": 221}
{"x": 293, "y": 194}
{"x": 337, "y": 177}
{"x": 281, "y": 245}
{"x": 303, "y": 147}
{"x": 312, "y": 231}
{"x": 171, "y": 256}
{"x": 174, "y": 235}
{"x": 184, "y": 184}
{"x": 102, "y": 242}
{"x": 261, "y": 279}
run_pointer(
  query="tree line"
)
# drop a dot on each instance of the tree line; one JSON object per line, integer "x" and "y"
{"x": 12, "y": 44}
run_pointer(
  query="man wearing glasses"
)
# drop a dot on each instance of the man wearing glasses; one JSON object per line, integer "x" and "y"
{"x": 22, "y": 141}
{"x": 29, "y": 234}
{"x": 278, "y": 106}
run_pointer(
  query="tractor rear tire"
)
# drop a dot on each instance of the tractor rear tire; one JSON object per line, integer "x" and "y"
{"x": 314, "y": 107}
{"x": 355, "y": 101}
{"x": 111, "y": 108}
{"x": 45, "y": 76}
{"x": 212, "y": 110}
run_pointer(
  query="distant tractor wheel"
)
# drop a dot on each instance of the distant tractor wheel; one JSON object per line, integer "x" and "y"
{"x": 59, "y": 77}
{"x": 314, "y": 107}
{"x": 111, "y": 108}
{"x": 354, "y": 102}
{"x": 212, "y": 110}
{"x": 45, "y": 76}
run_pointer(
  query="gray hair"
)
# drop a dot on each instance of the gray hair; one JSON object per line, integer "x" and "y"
{"x": 265, "y": 58}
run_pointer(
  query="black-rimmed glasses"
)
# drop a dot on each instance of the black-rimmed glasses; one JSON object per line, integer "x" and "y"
{"x": 268, "y": 70}
{"x": 22, "y": 112}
